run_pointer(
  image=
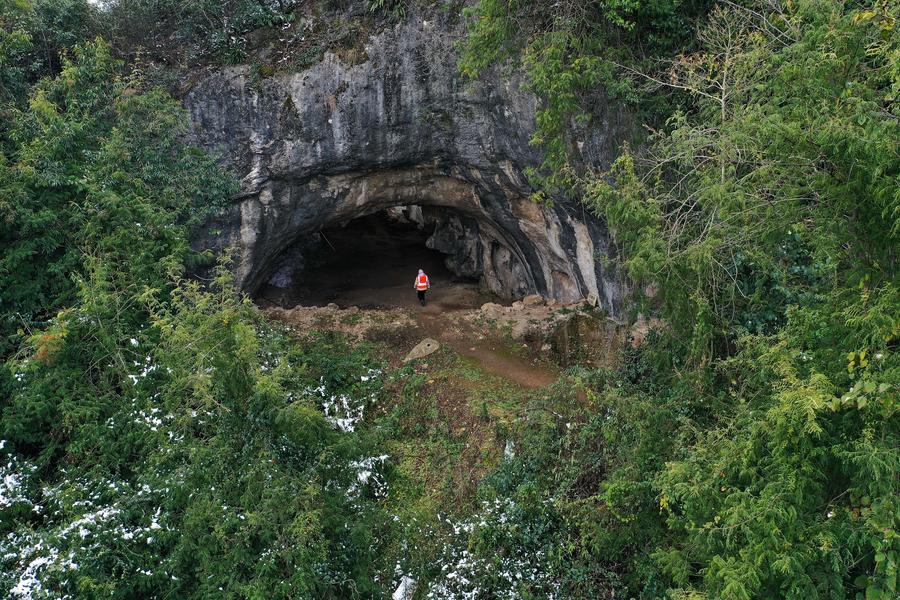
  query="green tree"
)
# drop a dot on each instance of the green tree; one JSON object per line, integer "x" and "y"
{"x": 167, "y": 441}
{"x": 765, "y": 220}
{"x": 572, "y": 56}
{"x": 94, "y": 161}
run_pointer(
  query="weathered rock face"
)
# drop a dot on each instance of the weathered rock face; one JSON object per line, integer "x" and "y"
{"x": 338, "y": 141}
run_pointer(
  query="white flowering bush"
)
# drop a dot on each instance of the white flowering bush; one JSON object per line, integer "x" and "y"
{"x": 501, "y": 551}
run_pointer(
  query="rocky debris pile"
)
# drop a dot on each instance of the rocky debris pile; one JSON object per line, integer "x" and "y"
{"x": 568, "y": 331}
{"x": 530, "y": 318}
{"x": 356, "y": 323}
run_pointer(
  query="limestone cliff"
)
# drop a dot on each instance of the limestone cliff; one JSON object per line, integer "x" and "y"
{"x": 398, "y": 126}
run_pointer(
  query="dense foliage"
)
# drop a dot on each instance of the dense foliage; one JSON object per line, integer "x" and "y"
{"x": 575, "y": 57}
{"x": 754, "y": 452}
{"x": 159, "y": 438}
{"x": 205, "y": 30}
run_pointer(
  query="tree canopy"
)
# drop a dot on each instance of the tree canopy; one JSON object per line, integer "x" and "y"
{"x": 160, "y": 438}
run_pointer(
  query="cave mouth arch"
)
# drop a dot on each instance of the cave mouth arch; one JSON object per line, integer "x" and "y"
{"x": 370, "y": 262}
{"x": 523, "y": 247}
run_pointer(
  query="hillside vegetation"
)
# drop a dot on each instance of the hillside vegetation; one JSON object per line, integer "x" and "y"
{"x": 161, "y": 439}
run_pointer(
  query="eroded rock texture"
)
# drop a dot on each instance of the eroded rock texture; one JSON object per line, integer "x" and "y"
{"x": 338, "y": 141}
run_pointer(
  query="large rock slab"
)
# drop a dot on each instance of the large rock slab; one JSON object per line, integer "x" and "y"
{"x": 422, "y": 349}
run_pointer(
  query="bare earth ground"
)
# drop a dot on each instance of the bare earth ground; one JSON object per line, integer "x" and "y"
{"x": 451, "y": 316}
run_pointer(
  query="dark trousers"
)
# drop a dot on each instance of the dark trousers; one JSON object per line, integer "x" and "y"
{"x": 421, "y": 295}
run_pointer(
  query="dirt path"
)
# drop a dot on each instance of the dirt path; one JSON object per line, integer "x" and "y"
{"x": 441, "y": 319}
{"x": 491, "y": 353}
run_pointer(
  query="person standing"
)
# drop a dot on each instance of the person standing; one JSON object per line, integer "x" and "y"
{"x": 422, "y": 284}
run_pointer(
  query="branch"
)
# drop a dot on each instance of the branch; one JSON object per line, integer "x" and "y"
{"x": 666, "y": 83}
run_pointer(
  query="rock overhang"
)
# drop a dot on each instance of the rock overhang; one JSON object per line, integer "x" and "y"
{"x": 338, "y": 141}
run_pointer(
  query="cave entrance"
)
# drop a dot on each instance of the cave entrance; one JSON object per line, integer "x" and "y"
{"x": 370, "y": 262}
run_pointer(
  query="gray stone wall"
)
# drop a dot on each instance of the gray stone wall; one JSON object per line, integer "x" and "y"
{"x": 340, "y": 140}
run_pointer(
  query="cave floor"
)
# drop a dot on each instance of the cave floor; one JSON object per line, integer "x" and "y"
{"x": 372, "y": 263}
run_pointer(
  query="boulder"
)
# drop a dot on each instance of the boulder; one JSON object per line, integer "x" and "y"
{"x": 533, "y": 300}
{"x": 520, "y": 330}
{"x": 422, "y": 349}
